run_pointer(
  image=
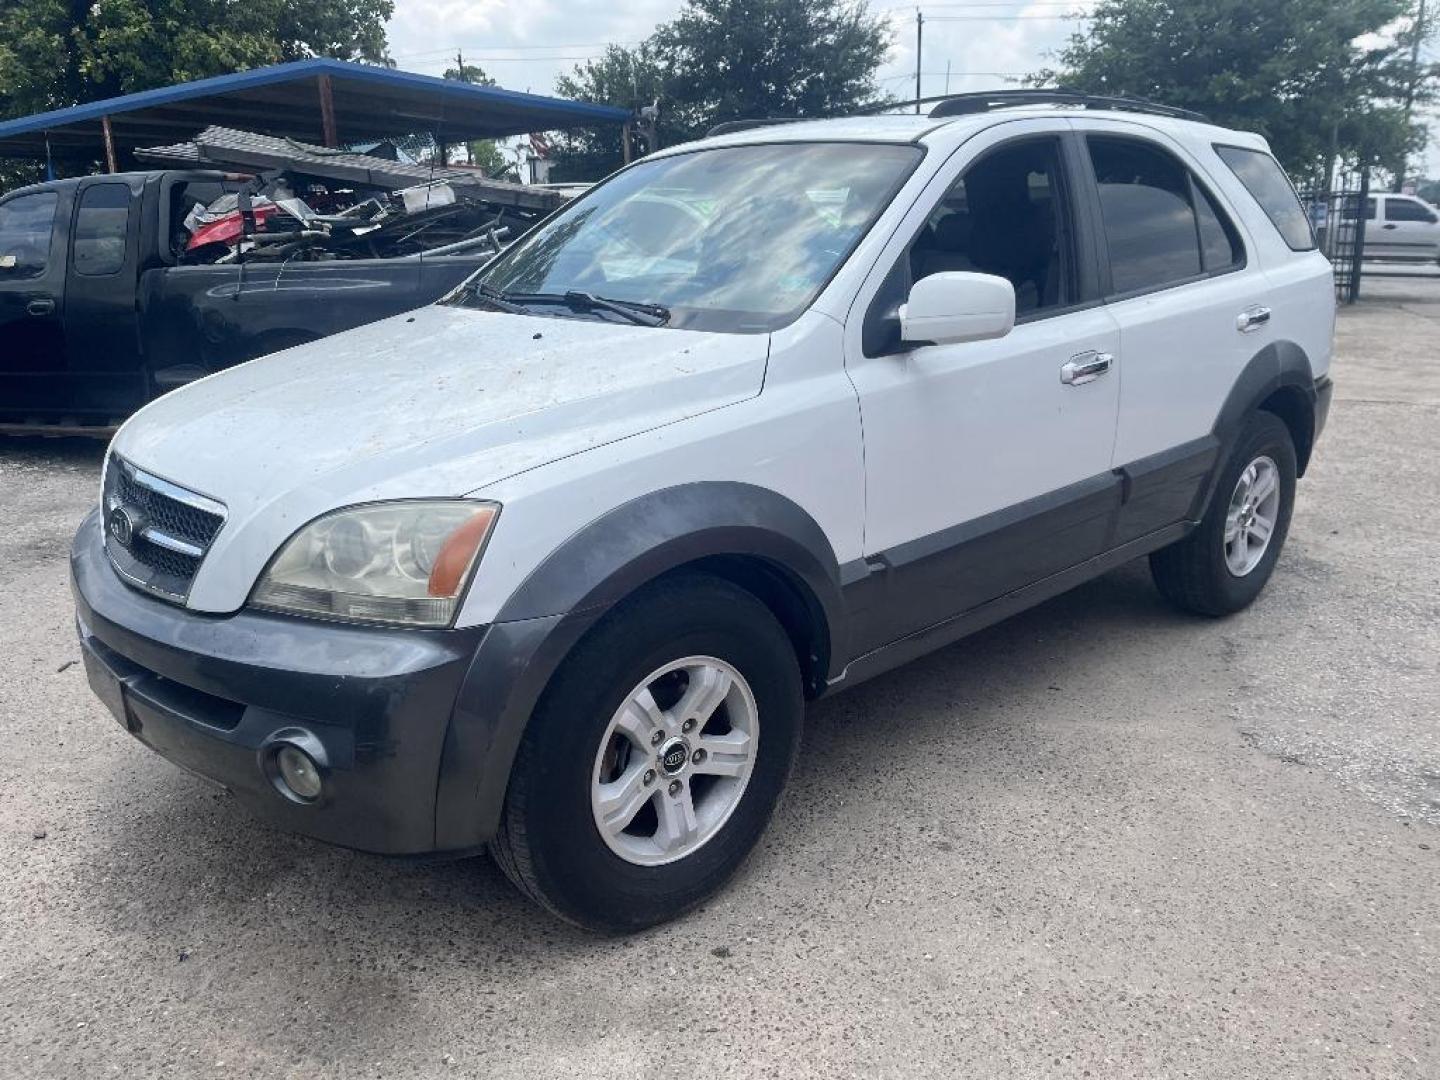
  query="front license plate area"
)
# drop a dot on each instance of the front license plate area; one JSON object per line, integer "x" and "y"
{"x": 107, "y": 687}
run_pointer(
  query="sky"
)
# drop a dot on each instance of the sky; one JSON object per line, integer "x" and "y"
{"x": 525, "y": 44}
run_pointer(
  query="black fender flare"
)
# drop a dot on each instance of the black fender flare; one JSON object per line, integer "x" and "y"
{"x": 642, "y": 539}
{"x": 1279, "y": 366}
{"x": 572, "y": 589}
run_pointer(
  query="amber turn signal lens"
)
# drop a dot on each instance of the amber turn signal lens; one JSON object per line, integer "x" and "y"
{"x": 458, "y": 552}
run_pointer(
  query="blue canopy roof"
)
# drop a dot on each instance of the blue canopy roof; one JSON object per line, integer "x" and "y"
{"x": 285, "y": 100}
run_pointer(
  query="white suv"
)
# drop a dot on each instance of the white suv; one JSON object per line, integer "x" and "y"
{"x": 553, "y": 566}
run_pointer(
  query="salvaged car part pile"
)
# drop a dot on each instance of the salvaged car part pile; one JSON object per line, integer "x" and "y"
{"x": 294, "y": 201}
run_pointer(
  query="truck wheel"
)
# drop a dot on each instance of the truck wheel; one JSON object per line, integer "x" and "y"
{"x": 1221, "y": 567}
{"x": 655, "y": 758}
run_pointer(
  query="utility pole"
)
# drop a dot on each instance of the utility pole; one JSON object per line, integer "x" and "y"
{"x": 947, "y": 78}
{"x": 1419, "y": 32}
{"x": 460, "y": 74}
{"x": 919, "y": 32}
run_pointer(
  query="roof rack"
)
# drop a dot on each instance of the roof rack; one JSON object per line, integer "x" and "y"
{"x": 730, "y": 126}
{"x": 985, "y": 100}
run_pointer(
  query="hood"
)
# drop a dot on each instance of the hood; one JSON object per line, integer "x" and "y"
{"x": 444, "y": 401}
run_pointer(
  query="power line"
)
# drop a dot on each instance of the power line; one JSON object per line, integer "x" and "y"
{"x": 513, "y": 59}
{"x": 1006, "y": 18}
{"x": 993, "y": 4}
{"x": 450, "y": 49}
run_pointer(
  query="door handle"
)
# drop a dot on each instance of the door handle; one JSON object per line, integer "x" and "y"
{"x": 1085, "y": 367}
{"x": 41, "y": 305}
{"x": 1391, "y": 225}
{"x": 1252, "y": 318}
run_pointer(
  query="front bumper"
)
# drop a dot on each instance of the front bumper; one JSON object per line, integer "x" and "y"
{"x": 208, "y": 691}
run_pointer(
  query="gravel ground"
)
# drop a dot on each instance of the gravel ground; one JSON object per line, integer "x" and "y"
{"x": 1098, "y": 840}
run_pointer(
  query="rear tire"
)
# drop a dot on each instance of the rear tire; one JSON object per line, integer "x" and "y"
{"x": 1222, "y": 566}
{"x": 677, "y": 646}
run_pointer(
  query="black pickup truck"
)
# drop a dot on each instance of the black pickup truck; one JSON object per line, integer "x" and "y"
{"x": 99, "y": 313}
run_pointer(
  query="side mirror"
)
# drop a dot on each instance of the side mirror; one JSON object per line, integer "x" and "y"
{"x": 955, "y": 306}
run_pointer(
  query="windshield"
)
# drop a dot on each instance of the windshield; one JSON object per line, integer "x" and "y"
{"x": 737, "y": 239}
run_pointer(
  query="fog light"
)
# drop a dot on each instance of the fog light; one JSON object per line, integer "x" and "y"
{"x": 298, "y": 773}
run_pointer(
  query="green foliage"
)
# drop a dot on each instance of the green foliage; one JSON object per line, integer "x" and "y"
{"x": 469, "y": 73}
{"x": 485, "y": 153}
{"x": 628, "y": 78}
{"x": 56, "y": 53}
{"x": 727, "y": 60}
{"x": 1303, "y": 73}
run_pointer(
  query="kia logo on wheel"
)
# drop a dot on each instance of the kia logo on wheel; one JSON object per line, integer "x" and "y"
{"x": 674, "y": 758}
{"x": 121, "y": 527}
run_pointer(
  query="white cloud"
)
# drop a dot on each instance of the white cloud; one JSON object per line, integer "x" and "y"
{"x": 526, "y": 44}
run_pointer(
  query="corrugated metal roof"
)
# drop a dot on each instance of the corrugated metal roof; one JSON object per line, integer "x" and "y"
{"x": 226, "y": 148}
{"x": 370, "y": 103}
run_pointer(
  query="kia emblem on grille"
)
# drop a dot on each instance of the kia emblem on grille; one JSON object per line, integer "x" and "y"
{"x": 121, "y": 527}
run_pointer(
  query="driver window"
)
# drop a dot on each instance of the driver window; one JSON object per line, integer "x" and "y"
{"x": 26, "y": 224}
{"x": 1005, "y": 217}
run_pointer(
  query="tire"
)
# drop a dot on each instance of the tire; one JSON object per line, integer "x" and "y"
{"x": 1195, "y": 574}
{"x": 550, "y": 841}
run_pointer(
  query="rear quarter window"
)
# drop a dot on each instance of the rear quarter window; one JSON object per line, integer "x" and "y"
{"x": 1271, "y": 188}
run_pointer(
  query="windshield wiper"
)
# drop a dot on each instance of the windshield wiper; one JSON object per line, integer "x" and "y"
{"x": 496, "y": 298}
{"x": 633, "y": 310}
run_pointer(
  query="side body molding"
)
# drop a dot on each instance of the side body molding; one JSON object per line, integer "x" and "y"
{"x": 572, "y": 589}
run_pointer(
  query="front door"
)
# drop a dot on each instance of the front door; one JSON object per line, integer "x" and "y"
{"x": 32, "y": 277}
{"x": 1411, "y": 230}
{"x": 985, "y": 468}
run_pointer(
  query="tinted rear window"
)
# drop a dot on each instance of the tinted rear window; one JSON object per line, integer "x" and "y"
{"x": 1408, "y": 210}
{"x": 1150, "y": 225}
{"x": 101, "y": 226}
{"x": 1266, "y": 181}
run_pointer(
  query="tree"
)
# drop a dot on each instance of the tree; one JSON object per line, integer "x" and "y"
{"x": 1303, "y": 73}
{"x": 468, "y": 73}
{"x": 727, "y": 60}
{"x": 628, "y": 78}
{"x": 56, "y": 53}
{"x": 485, "y": 153}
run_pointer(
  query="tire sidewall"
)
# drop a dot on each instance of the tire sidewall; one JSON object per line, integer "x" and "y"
{"x": 575, "y": 869}
{"x": 1262, "y": 435}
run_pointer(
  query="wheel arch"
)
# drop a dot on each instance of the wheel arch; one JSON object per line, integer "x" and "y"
{"x": 1280, "y": 380}
{"x": 750, "y": 536}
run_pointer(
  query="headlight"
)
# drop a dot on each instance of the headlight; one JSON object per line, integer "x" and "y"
{"x": 400, "y": 562}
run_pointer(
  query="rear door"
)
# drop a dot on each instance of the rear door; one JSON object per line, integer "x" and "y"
{"x": 1190, "y": 308}
{"x": 104, "y": 377}
{"x": 32, "y": 288}
{"x": 1411, "y": 229}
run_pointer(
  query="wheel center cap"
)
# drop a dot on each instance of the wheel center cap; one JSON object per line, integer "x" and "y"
{"x": 673, "y": 756}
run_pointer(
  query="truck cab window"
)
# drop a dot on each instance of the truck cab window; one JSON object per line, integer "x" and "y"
{"x": 1004, "y": 216}
{"x": 26, "y": 224}
{"x": 102, "y": 224}
{"x": 1403, "y": 209}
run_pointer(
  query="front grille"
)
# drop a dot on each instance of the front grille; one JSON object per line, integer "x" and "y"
{"x": 156, "y": 532}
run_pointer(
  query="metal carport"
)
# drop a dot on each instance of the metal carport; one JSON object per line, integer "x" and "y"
{"x": 322, "y": 101}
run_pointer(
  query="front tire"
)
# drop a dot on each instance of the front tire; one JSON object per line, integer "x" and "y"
{"x": 1222, "y": 566}
{"x": 655, "y": 759}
